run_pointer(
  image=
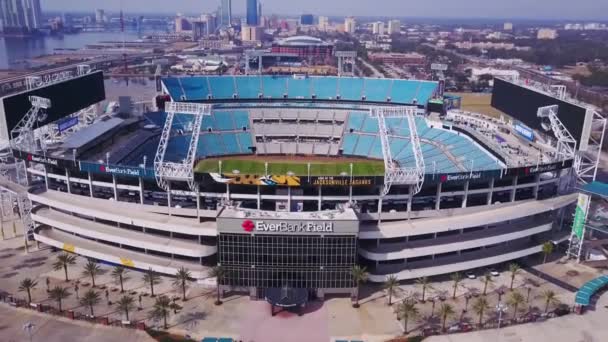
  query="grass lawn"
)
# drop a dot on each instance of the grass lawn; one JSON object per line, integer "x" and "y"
{"x": 479, "y": 103}
{"x": 298, "y": 167}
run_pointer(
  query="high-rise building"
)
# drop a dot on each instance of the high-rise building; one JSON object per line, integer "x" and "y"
{"x": 252, "y": 13}
{"x": 251, "y": 33}
{"x": 323, "y": 23}
{"x": 306, "y": 19}
{"x": 394, "y": 26}
{"x": 508, "y": 27}
{"x": 226, "y": 13}
{"x": 99, "y": 14}
{"x": 350, "y": 25}
{"x": 378, "y": 28}
{"x": 20, "y": 14}
{"x": 259, "y": 12}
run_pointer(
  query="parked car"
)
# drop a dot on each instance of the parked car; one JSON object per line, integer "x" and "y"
{"x": 470, "y": 275}
{"x": 494, "y": 272}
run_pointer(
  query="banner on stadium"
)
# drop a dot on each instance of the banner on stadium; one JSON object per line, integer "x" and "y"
{"x": 287, "y": 180}
{"x": 126, "y": 171}
{"x": 66, "y": 124}
{"x": 36, "y": 158}
{"x": 580, "y": 216}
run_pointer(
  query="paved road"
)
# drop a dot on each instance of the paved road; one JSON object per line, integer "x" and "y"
{"x": 52, "y": 329}
{"x": 377, "y": 73}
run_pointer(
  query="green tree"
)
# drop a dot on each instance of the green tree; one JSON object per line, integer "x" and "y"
{"x": 390, "y": 285}
{"x": 456, "y": 278}
{"x": 161, "y": 309}
{"x": 425, "y": 283}
{"x": 407, "y": 310}
{"x": 219, "y": 273}
{"x": 547, "y": 250}
{"x": 515, "y": 300}
{"x": 445, "y": 311}
{"x": 514, "y": 269}
{"x": 58, "y": 294}
{"x": 63, "y": 261}
{"x": 126, "y": 304}
{"x": 90, "y": 299}
{"x": 119, "y": 274}
{"x": 550, "y": 298}
{"x": 27, "y": 285}
{"x": 182, "y": 277}
{"x": 480, "y": 306}
{"x": 487, "y": 278}
{"x": 151, "y": 278}
{"x": 91, "y": 269}
{"x": 359, "y": 275}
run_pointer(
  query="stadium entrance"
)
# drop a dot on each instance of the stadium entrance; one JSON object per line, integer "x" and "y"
{"x": 261, "y": 253}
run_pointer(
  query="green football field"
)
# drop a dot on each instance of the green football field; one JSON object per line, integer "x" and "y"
{"x": 297, "y": 167}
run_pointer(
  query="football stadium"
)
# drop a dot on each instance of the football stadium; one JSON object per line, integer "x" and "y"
{"x": 291, "y": 181}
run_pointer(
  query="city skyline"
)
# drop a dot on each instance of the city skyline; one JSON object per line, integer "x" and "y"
{"x": 516, "y": 9}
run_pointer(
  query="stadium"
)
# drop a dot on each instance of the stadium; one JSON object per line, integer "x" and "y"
{"x": 290, "y": 181}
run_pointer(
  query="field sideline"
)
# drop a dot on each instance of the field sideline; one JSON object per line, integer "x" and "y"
{"x": 297, "y": 167}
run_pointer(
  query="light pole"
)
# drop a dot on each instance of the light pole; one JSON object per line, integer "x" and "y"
{"x": 501, "y": 308}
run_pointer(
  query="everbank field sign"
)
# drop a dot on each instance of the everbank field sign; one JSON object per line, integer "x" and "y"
{"x": 288, "y": 227}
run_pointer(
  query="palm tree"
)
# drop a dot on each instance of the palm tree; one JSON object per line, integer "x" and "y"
{"x": 406, "y": 310}
{"x": 119, "y": 274}
{"x": 456, "y": 278}
{"x": 63, "y": 261}
{"x": 425, "y": 284}
{"x": 514, "y": 270}
{"x": 480, "y": 306}
{"x": 58, "y": 294}
{"x": 487, "y": 278}
{"x": 91, "y": 269}
{"x": 182, "y": 277}
{"x": 550, "y": 298}
{"x": 219, "y": 273}
{"x": 27, "y": 285}
{"x": 90, "y": 299}
{"x": 391, "y": 286}
{"x": 161, "y": 309}
{"x": 515, "y": 300}
{"x": 547, "y": 250}
{"x": 126, "y": 304}
{"x": 151, "y": 278}
{"x": 445, "y": 311}
{"x": 359, "y": 275}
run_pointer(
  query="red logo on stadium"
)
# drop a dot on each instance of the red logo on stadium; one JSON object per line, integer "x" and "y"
{"x": 444, "y": 178}
{"x": 29, "y": 157}
{"x": 527, "y": 171}
{"x": 102, "y": 168}
{"x": 248, "y": 225}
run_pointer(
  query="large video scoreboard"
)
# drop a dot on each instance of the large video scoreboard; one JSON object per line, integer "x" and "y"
{"x": 66, "y": 97}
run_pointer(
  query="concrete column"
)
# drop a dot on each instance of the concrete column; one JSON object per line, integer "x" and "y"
{"x": 289, "y": 199}
{"x": 536, "y": 186}
{"x": 380, "y": 208}
{"x": 115, "y": 188}
{"x": 198, "y": 202}
{"x": 320, "y": 198}
{"x": 67, "y": 181}
{"x": 46, "y": 177}
{"x": 141, "y": 190}
{"x": 466, "y": 194}
{"x": 169, "y": 197}
{"x": 90, "y": 185}
{"x": 409, "y": 201}
{"x": 514, "y": 190}
{"x": 259, "y": 198}
{"x": 260, "y": 65}
{"x": 490, "y": 191}
{"x": 438, "y": 202}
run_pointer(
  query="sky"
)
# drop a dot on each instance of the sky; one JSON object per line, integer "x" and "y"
{"x": 507, "y": 9}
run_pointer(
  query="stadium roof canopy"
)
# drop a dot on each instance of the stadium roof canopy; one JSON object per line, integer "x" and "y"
{"x": 91, "y": 133}
{"x": 303, "y": 40}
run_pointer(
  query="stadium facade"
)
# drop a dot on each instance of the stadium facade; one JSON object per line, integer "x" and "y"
{"x": 289, "y": 185}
